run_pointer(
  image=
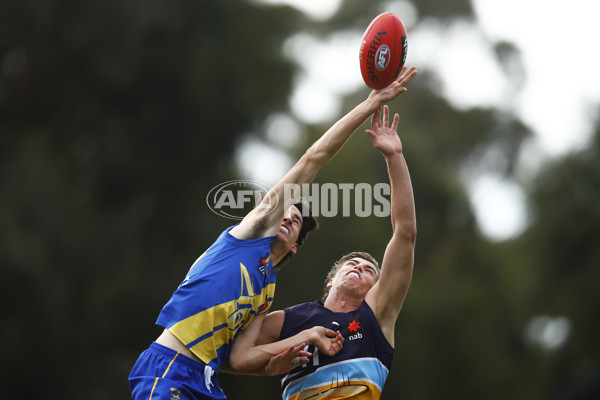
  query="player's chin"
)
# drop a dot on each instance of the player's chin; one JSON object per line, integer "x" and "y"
{"x": 281, "y": 238}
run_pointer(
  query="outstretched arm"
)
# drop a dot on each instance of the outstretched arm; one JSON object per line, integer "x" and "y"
{"x": 258, "y": 344}
{"x": 387, "y": 295}
{"x": 265, "y": 219}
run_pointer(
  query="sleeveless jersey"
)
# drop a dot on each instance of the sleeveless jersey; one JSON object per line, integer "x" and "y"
{"x": 358, "y": 371}
{"x": 225, "y": 288}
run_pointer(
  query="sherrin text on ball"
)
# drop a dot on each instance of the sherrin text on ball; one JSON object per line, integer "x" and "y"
{"x": 383, "y": 50}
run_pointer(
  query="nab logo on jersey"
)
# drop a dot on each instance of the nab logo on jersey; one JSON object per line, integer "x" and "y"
{"x": 354, "y": 326}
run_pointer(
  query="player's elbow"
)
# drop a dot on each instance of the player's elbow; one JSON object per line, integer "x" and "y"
{"x": 314, "y": 158}
{"x": 238, "y": 365}
{"x": 407, "y": 234}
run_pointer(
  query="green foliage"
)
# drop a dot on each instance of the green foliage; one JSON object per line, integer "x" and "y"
{"x": 116, "y": 118}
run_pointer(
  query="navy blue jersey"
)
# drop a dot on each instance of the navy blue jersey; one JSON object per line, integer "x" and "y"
{"x": 358, "y": 371}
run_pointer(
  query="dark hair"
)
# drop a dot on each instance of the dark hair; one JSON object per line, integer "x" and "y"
{"x": 339, "y": 263}
{"x": 309, "y": 224}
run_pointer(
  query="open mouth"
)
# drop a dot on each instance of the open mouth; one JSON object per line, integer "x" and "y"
{"x": 354, "y": 273}
{"x": 286, "y": 230}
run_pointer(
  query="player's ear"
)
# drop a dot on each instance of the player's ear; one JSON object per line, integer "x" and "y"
{"x": 294, "y": 248}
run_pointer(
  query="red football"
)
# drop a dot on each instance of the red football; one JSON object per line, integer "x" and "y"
{"x": 383, "y": 50}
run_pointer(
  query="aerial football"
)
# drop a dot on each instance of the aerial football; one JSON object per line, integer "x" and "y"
{"x": 383, "y": 50}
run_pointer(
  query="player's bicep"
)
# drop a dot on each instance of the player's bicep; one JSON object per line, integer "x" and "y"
{"x": 388, "y": 294}
{"x": 265, "y": 219}
{"x": 271, "y": 328}
{"x": 248, "y": 337}
{"x": 251, "y": 227}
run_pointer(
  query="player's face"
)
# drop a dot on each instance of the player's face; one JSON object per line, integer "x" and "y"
{"x": 290, "y": 228}
{"x": 357, "y": 274}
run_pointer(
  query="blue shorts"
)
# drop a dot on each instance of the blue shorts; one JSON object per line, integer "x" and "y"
{"x": 161, "y": 373}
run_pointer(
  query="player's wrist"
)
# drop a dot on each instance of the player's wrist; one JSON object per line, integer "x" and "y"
{"x": 395, "y": 156}
{"x": 308, "y": 337}
{"x": 371, "y": 104}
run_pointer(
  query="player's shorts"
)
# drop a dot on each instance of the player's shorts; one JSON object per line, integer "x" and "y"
{"x": 161, "y": 373}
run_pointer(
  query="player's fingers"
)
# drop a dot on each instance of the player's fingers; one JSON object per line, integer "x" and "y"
{"x": 299, "y": 352}
{"x": 401, "y": 74}
{"x": 395, "y": 122}
{"x": 334, "y": 349}
{"x": 408, "y": 76}
{"x": 330, "y": 333}
{"x": 403, "y": 79}
{"x": 300, "y": 361}
{"x": 291, "y": 352}
{"x": 299, "y": 347}
{"x": 284, "y": 354}
{"x": 386, "y": 116}
{"x": 376, "y": 119}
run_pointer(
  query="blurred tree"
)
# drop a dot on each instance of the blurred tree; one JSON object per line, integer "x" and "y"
{"x": 117, "y": 117}
{"x": 562, "y": 245}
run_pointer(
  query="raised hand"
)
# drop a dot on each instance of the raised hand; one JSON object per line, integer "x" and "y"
{"x": 395, "y": 88}
{"x": 385, "y": 138}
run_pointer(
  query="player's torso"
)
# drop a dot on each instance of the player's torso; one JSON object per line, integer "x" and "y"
{"x": 223, "y": 291}
{"x": 358, "y": 371}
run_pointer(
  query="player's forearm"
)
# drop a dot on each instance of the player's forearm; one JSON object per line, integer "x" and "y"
{"x": 323, "y": 150}
{"x": 335, "y": 137}
{"x": 228, "y": 369}
{"x": 402, "y": 198}
{"x": 315, "y": 157}
{"x": 251, "y": 360}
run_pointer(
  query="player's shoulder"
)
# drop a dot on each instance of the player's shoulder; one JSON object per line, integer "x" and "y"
{"x": 304, "y": 306}
{"x": 304, "y": 311}
{"x": 253, "y": 226}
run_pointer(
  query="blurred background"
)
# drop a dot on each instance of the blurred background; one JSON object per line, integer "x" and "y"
{"x": 117, "y": 118}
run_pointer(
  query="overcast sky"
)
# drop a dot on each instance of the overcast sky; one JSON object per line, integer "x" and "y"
{"x": 558, "y": 99}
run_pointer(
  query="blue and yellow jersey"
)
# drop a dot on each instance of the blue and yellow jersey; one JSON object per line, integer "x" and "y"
{"x": 225, "y": 288}
{"x": 357, "y": 372}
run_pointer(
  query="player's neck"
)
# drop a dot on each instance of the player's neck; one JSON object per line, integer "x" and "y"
{"x": 276, "y": 257}
{"x": 278, "y": 252}
{"x": 338, "y": 302}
